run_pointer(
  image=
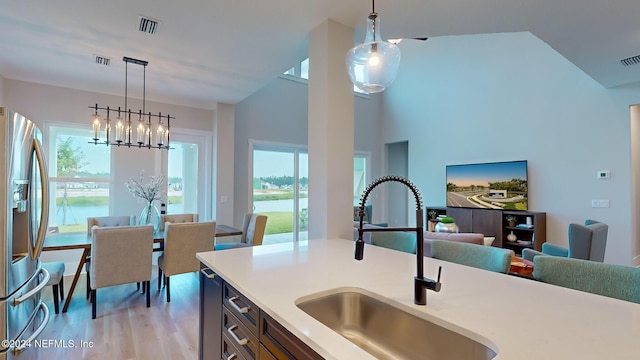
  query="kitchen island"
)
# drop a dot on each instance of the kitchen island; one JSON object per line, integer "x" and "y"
{"x": 517, "y": 318}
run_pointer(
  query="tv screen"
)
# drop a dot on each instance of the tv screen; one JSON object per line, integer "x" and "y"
{"x": 498, "y": 185}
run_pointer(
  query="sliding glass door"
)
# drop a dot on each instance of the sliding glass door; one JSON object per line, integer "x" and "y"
{"x": 280, "y": 191}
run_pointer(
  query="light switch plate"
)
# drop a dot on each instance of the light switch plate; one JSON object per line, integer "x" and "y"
{"x": 599, "y": 203}
{"x": 603, "y": 174}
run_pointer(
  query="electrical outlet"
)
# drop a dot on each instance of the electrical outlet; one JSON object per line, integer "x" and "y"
{"x": 603, "y": 174}
{"x": 599, "y": 203}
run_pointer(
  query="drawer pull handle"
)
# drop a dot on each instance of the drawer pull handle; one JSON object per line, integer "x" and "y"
{"x": 235, "y": 337}
{"x": 232, "y": 356}
{"x": 243, "y": 310}
{"x": 208, "y": 273}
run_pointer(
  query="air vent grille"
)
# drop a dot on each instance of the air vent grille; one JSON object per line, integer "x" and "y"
{"x": 633, "y": 60}
{"x": 148, "y": 25}
{"x": 101, "y": 60}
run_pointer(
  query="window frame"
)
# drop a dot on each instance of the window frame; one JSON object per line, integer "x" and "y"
{"x": 49, "y": 144}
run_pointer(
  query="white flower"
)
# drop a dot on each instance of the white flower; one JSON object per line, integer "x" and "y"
{"x": 153, "y": 190}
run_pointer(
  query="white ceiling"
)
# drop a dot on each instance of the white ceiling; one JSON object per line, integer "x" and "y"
{"x": 222, "y": 51}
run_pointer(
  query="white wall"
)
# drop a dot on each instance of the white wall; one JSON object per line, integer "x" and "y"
{"x": 278, "y": 113}
{"x": 224, "y": 183}
{"x": 500, "y": 97}
{"x": 635, "y": 181}
{"x": 2, "y": 91}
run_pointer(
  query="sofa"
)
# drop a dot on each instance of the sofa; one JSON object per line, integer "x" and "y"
{"x": 406, "y": 241}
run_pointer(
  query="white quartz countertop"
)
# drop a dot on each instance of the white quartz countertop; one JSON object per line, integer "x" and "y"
{"x": 516, "y": 317}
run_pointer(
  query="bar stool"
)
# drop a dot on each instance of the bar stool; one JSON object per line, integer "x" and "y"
{"x": 56, "y": 280}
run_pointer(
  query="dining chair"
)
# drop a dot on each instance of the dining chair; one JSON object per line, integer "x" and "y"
{"x": 586, "y": 242}
{"x": 253, "y": 226}
{"x": 611, "y": 280}
{"x": 56, "y": 280}
{"x": 101, "y": 221}
{"x": 177, "y": 218}
{"x": 181, "y": 243}
{"x": 478, "y": 256}
{"x": 120, "y": 255}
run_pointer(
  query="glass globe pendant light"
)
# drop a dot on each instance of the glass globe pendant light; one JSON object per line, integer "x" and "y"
{"x": 373, "y": 65}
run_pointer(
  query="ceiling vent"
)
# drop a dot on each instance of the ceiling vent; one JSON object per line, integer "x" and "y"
{"x": 633, "y": 60}
{"x": 148, "y": 25}
{"x": 102, "y": 60}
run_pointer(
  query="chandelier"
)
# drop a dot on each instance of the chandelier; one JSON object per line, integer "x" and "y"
{"x": 144, "y": 135}
{"x": 373, "y": 65}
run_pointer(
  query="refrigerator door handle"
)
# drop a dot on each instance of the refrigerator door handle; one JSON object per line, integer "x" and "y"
{"x": 44, "y": 214}
{"x": 45, "y": 310}
{"x": 35, "y": 290}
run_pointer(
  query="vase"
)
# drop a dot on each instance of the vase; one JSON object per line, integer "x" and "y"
{"x": 446, "y": 227}
{"x": 512, "y": 237}
{"x": 150, "y": 216}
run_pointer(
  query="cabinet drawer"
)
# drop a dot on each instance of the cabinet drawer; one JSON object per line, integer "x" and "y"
{"x": 282, "y": 343}
{"x": 241, "y": 307}
{"x": 239, "y": 335}
{"x": 265, "y": 354}
{"x": 229, "y": 351}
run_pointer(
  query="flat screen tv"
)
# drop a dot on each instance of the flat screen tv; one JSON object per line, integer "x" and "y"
{"x": 498, "y": 185}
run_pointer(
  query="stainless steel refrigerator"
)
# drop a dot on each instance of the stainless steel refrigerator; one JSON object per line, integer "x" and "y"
{"x": 23, "y": 223}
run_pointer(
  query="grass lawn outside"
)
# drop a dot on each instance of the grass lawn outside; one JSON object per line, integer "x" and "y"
{"x": 278, "y": 222}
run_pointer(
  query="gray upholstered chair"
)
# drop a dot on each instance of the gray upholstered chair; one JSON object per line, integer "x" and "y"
{"x": 177, "y": 218}
{"x": 56, "y": 280}
{"x": 120, "y": 255}
{"x": 586, "y": 242}
{"x": 101, "y": 221}
{"x": 478, "y": 256}
{"x": 616, "y": 281}
{"x": 181, "y": 243}
{"x": 253, "y": 226}
{"x": 110, "y": 221}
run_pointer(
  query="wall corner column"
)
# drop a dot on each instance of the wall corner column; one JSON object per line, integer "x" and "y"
{"x": 331, "y": 132}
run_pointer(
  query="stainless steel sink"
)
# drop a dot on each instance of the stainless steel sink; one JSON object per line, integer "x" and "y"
{"x": 388, "y": 332}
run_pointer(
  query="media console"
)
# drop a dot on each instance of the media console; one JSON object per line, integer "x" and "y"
{"x": 530, "y": 233}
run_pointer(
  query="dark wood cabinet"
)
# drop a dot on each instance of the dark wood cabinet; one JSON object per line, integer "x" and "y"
{"x": 233, "y": 327}
{"x": 484, "y": 221}
{"x": 281, "y": 343}
{"x": 210, "y": 342}
{"x": 529, "y": 228}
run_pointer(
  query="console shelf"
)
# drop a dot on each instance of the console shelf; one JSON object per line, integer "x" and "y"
{"x": 493, "y": 222}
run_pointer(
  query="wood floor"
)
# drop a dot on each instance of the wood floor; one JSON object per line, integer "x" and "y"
{"x": 124, "y": 327}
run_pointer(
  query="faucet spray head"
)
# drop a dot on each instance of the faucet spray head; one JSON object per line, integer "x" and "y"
{"x": 359, "y": 249}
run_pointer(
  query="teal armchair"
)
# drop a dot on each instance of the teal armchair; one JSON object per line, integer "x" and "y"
{"x": 396, "y": 240}
{"x": 478, "y": 256}
{"x": 615, "y": 281}
{"x": 587, "y": 242}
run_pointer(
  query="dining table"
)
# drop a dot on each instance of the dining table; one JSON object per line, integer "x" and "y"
{"x": 82, "y": 241}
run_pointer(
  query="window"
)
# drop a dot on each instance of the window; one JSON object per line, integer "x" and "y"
{"x": 301, "y": 71}
{"x": 280, "y": 189}
{"x": 304, "y": 69}
{"x": 79, "y": 176}
{"x": 360, "y": 178}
